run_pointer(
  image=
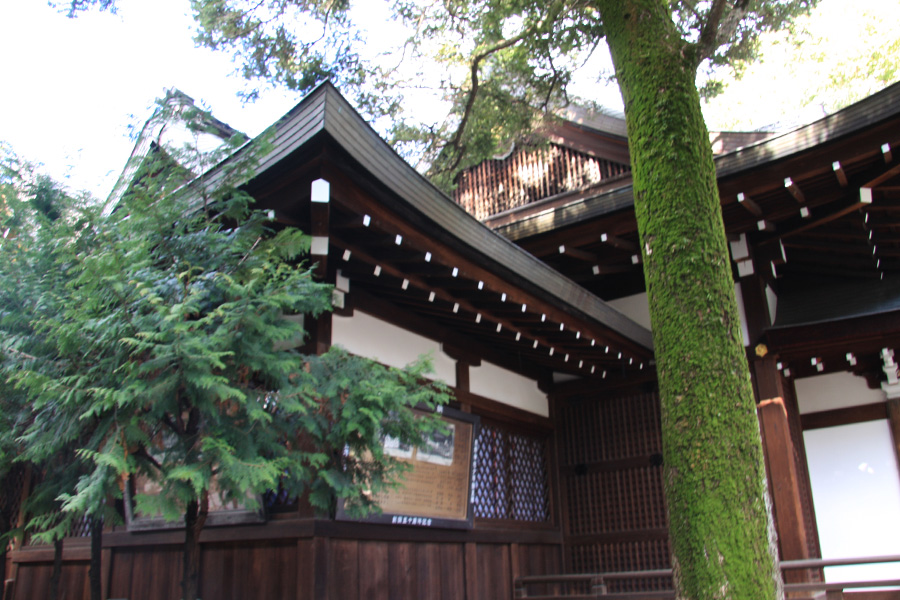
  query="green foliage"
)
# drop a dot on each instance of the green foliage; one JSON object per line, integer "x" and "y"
{"x": 501, "y": 67}
{"x": 825, "y": 61}
{"x": 35, "y": 210}
{"x": 151, "y": 342}
{"x": 355, "y": 404}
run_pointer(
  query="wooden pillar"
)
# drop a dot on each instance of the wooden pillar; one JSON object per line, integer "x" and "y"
{"x": 767, "y": 380}
{"x": 756, "y": 306}
{"x": 464, "y": 361}
{"x": 462, "y": 375}
{"x": 784, "y": 485}
{"x": 319, "y": 208}
{"x": 893, "y": 411}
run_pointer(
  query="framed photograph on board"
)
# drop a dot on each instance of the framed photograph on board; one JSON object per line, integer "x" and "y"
{"x": 437, "y": 492}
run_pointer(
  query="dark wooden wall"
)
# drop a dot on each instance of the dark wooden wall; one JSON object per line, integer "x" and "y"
{"x": 614, "y": 513}
{"x": 314, "y": 560}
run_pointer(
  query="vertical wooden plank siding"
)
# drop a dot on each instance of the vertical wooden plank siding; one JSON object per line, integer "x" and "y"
{"x": 105, "y": 571}
{"x": 344, "y": 571}
{"x": 428, "y": 571}
{"x": 472, "y": 572}
{"x": 120, "y": 576}
{"x": 373, "y": 570}
{"x": 320, "y": 568}
{"x": 402, "y": 581}
{"x": 452, "y": 569}
{"x": 305, "y": 569}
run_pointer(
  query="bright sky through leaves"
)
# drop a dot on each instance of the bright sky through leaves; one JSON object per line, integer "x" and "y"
{"x": 75, "y": 87}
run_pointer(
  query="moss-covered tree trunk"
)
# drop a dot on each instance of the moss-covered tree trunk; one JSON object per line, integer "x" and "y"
{"x": 714, "y": 471}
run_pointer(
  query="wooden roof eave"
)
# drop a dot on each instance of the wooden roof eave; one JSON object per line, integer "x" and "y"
{"x": 325, "y": 111}
{"x": 879, "y": 107}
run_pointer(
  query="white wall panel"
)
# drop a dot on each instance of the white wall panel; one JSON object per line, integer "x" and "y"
{"x": 834, "y": 390}
{"x": 365, "y": 335}
{"x": 856, "y": 492}
{"x": 510, "y": 388}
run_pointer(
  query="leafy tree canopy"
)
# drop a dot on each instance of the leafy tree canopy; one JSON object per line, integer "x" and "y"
{"x": 501, "y": 65}
{"x": 820, "y": 64}
{"x": 152, "y": 342}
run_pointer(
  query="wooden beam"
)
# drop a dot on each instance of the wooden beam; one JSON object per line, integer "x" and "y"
{"x": 611, "y": 269}
{"x": 844, "y": 416}
{"x": 751, "y": 206}
{"x": 764, "y": 225}
{"x": 617, "y": 242}
{"x": 579, "y": 254}
{"x": 439, "y": 293}
{"x": 828, "y": 218}
{"x": 794, "y": 190}
{"x": 839, "y": 173}
{"x": 886, "y": 176}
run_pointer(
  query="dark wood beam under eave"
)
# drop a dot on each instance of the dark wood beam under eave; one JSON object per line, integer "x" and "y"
{"x": 859, "y": 335}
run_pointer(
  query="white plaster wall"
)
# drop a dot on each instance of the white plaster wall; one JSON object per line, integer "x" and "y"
{"x": 510, "y": 388}
{"x": 835, "y": 390}
{"x": 365, "y": 335}
{"x": 636, "y": 308}
{"x": 855, "y": 478}
{"x": 856, "y": 493}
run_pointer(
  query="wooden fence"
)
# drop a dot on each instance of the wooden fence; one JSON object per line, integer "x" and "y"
{"x": 303, "y": 559}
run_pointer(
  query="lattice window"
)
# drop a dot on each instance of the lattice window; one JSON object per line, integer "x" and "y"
{"x": 648, "y": 555}
{"x": 511, "y": 478}
{"x": 80, "y": 527}
{"x": 279, "y": 500}
{"x": 12, "y": 495}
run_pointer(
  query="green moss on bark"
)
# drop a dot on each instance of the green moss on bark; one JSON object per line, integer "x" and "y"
{"x": 715, "y": 475}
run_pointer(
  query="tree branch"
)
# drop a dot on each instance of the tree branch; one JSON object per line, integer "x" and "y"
{"x": 721, "y": 24}
{"x": 709, "y": 34}
{"x": 456, "y": 142}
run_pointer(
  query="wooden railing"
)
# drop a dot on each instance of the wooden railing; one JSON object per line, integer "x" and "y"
{"x": 595, "y": 585}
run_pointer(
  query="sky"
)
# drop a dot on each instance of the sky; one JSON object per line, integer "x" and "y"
{"x": 76, "y": 88}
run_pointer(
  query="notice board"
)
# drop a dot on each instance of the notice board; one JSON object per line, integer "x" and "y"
{"x": 436, "y": 492}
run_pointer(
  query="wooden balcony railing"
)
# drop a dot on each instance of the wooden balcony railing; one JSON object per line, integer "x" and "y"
{"x": 595, "y": 585}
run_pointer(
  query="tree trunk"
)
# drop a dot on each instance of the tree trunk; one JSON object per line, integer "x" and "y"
{"x": 96, "y": 558}
{"x": 56, "y": 574}
{"x": 194, "y": 519}
{"x": 4, "y": 544}
{"x": 720, "y": 529}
